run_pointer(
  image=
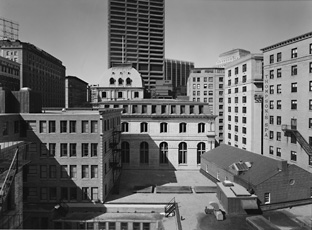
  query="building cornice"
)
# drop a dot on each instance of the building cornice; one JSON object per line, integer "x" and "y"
{"x": 287, "y": 42}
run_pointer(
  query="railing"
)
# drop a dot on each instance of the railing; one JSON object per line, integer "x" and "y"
{"x": 173, "y": 207}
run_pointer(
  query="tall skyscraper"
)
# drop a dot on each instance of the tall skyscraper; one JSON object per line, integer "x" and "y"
{"x": 136, "y": 35}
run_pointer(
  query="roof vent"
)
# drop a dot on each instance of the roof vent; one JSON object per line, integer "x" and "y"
{"x": 227, "y": 183}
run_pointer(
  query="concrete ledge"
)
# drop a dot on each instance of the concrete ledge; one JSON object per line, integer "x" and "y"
{"x": 174, "y": 189}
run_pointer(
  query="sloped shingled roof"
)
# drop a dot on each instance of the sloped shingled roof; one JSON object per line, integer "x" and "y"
{"x": 262, "y": 167}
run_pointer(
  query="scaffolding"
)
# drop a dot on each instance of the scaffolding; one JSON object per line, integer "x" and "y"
{"x": 8, "y": 29}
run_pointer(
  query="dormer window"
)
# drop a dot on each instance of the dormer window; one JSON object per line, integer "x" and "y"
{"x": 129, "y": 73}
{"x": 120, "y": 81}
{"x": 128, "y": 81}
{"x": 112, "y": 81}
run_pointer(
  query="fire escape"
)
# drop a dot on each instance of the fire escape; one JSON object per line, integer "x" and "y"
{"x": 292, "y": 130}
{"x": 115, "y": 161}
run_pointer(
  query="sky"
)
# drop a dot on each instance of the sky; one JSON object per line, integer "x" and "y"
{"x": 75, "y": 31}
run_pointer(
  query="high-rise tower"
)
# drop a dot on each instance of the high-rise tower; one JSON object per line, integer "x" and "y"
{"x": 136, "y": 35}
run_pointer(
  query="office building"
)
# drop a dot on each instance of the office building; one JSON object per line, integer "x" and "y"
{"x": 230, "y": 56}
{"x": 206, "y": 85}
{"x": 288, "y": 100}
{"x": 76, "y": 92}
{"x": 243, "y": 103}
{"x": 74, "y": 160}
{"x": 136, "y": 36}
{"x": 121, "y": 82}
{"x": 9, "y": 74}
{"x": 39, "y": 71}
{"x": 178, "y": 72}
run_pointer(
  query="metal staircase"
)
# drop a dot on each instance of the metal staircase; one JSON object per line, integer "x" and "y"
{"x": 300, "y": 139}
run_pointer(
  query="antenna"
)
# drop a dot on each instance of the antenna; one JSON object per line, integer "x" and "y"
{"x": 8, "y": 29}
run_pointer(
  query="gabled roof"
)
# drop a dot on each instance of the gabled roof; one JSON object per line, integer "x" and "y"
{"x": 261, "y": 169}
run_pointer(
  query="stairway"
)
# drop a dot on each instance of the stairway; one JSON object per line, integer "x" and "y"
{"x": 170, "y": 207}
{"x": 304, "y": 144}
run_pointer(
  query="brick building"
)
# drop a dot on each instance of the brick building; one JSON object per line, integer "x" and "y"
{"x": 288, "y": 100}
{"x": 39, "y": 71}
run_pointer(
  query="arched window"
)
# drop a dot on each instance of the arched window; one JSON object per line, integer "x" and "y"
{"x": 124, "y": 127}
{"x": 112, "y": 81}
{"x": 182, "y": 127}
{"x": 201, "y": 127}
{"x": 201, "y": 149}
{"x": 128, "y": 81}
{"x": 125, "y": 152}
{"x": 182, "y": 153}
{"x": 144, "y": 153}
{"x": 163, "y": 153}
{"x": 120, "y": 81}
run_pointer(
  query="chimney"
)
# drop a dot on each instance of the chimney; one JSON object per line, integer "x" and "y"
{"x": 282, "y": 165}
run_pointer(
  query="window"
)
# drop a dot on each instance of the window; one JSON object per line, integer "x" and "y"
{"x": 182, "y": 109}
{"x": 201, "y": 149}
{"x": 182, "y": 127}
{"x": 163, "y": 127}
{"x": 72, "y": 126}
{"x": 72, "y": 150}
{"x": 271, "y": 120}
{"x": 236, "y": 109}
{"x": 310, "y": 104}
{"x": 84, "y": 149}
{"x": 236, "y": 118}
{"x": 279, "y": 89}
{"x": 125, "y": 152}
{"x": 236, "y": 99}
{"x": 52, "y": 127}
{"x": 236, "y": 90}
{"x": 182, "y": 153}
{"x": 229, "y": 118}
{"x": 244, "y": 130}
{"x": 310, "y": 163}
{"x": 63, "y": 126}
{"x": 293, "y": 104}
{"x": 279, "y": 104}
{"x": 124, "y": 127}
{"x": 229, "y": 82}
{"x": 64, "y": 173}
{"x": 279, "y": 57}
{"x": 229, "y": 91}
{"x": 229, "y": 73}
{"x": 144, "y": 109}
{"x": 294, "y": 53}
{"x": 143, "y": 127}
{"x": 294, "y": 87}
{"x": 278, "y": 120}
{"x": 52, "y": 193}
{"x": 244, "y": 99}
{"x": 278, "y": 136}
{"x": 103, "y": 94}
{"x": 134, "y": 108}
{"x": 173, "y": 109}
{"x": 43, "y": 127}
{"x": 63, "y": 150}
{"x": 271, "y": 58}
{"x": 201, "y": 127}
{"x": 244, "y": 88}
{"x": 52, "y": 149}
{"x": 310, "y": 49}
{"x": 73, "y": 193}
{"x": 310, "y": 123}
{"x": 279, "y": 73}
{"x": 244, "y": 140}
{"x": 94, "y": 171}
{"x": 271, "y": 74}
{"x": 136, "y": 226}
{"x": 229, "y": 100}
{"x": 153, "y": 108}
{"x": 267, "y": 198}
{"x": 73, "y": 171}
{"x": 229, "y": 109}
{"x": 244, "y": 67}
{"x": 94, "y": 147}
{"x": 293, "y": 70}
{"x": 310, "y": 86}
{"x": 94, "y": 126}
{"x": 84, "y": 126}
{"x": 278, "y": 152}
{"x": 293, "y": 156}
{"x": 43, "y": 171}
{"x": 85, "y": 193}
{"x": 236, "y": 70}
{"x": 229, "y": 127}
{"x": 271, "y": 89}
{"x": 119, "y": 94}
{"x": 43, "y": 193}
{"x": 144, "y": 158}
{"x": 244, "y": 79}
{"x": 163, "y": 153}
{"x": 271, "y": 135}
{"x": 52, "y": 171}
{"x": 85, "y": 171}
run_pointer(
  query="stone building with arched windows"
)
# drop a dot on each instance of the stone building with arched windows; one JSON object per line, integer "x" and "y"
{"x": 121, "y": 82}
